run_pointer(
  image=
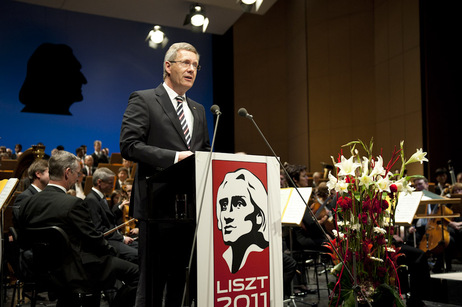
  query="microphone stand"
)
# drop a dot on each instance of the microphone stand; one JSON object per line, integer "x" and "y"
{"x": 243, "y": 112}
{"x": 215, "y": 109}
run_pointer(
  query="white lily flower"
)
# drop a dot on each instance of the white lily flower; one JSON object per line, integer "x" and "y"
{"x": 341, "y": 186}
{"x": 418, "y": 156}
{"x": 332, "y": 182}
{"x": 379, "y": 230}
{"x": 378, "y": 167}
{"x": 347, "y": 167}
{"x": 383, "y": 184}
{"x": 366, "y": 180}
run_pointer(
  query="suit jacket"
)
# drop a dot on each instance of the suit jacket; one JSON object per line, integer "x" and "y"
{"x": 53, "y": 207}
{"x": 102, "y": 158}
{"x": 151, "y": 135}
{"x": 102, "y": 216}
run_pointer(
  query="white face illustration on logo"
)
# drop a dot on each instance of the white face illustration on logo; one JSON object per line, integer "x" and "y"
{"x": 241, "y": 205}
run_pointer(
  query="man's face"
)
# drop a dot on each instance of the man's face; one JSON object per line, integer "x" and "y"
{"x": 44, "y": 177}
{"x": 97, "y": 146}
{"x": 235, "y": 210}
{"x": 89, "y": 161}
{"x": 420, "y": 185}
{"x": 73, "y": 175}
{"x": 180, "y": 78}
{"x": 122, "y": 176}
{"x": 106, "y": 186}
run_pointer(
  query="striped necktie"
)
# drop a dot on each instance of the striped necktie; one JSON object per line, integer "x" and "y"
{"x": 182, "y": 118}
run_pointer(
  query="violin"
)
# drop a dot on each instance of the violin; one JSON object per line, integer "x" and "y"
{"x": 322, "y": 213}
{"x": 437, "y": 236}
{"x": 127, "y": 220}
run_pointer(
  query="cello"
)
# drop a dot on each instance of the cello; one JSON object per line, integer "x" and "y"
{"x": 437, "y": 236}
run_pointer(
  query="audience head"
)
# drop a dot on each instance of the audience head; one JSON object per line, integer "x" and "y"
{"x": 88, "y": 161}
{"x": 298, "y": 174}
{"x": 456, "y": 188}
{"x": 103, "y": 180}
{"x": 38, "y": 173}
{"x": 122, "y": 174}
{"x": 97, "y": 145}
{"x": 17, "y": 148}
{"x": 64, "y": 169}
{"x": 441, "y": 175}
{"x": 421, "y": 184}
{"x": 317, "y": 176}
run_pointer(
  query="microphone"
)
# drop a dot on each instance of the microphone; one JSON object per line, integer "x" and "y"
{"x": 243, "y": 112}
{"x": 215, "y": 110}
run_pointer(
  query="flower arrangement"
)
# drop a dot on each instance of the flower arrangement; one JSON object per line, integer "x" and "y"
{"x": 367, "y": 194}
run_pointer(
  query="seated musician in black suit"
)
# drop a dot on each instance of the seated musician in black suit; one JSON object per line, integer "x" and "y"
{"x": 38, "y": 178}
{"x": 104, "y": 219}
{"x": 92, "y": 264}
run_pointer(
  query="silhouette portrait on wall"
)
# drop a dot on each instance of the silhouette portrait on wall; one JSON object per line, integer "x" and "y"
{"x": 53, "y": 80}
{"x": 241, "y": 208}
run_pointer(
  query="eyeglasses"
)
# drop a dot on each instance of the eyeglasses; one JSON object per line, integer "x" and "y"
{"x": 187, "y": 64}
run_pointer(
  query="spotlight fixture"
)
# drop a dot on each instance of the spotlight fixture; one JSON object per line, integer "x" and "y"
{"x": 197, "y": 18}
{"x": 156, "y": 38}
{"x": 248, "y": 5}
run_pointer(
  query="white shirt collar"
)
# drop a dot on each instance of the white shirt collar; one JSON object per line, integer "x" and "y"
{"x": 36, "y": 187}
{"x": 98, "y": 192}
{"x": 172, "y": 94}
{"x": 58, "y": 186}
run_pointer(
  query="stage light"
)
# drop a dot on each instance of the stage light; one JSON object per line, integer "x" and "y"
{"x": 248, "y": 5}
{"x": 197, "y": 18}
{"x": 156, "y": 38}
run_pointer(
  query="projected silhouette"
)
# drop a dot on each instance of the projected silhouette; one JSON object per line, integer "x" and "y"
{"x": 241, "y": 208}
{"x": 53, "y": 80}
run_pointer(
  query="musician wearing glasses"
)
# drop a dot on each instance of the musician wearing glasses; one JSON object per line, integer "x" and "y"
{"x": 160, "y": 127}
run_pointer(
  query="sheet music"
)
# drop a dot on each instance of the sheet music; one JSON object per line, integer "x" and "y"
{"x": 7, "y": 187}
{"x": 407, "y": 207}
{"x": 292, "y": 206}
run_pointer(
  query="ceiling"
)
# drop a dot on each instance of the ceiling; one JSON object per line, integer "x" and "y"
{"x": 221, "y": 13}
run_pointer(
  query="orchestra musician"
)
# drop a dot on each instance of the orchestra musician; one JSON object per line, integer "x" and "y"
{"x": 421, "y": 231}
{"x": 103, "y": 218}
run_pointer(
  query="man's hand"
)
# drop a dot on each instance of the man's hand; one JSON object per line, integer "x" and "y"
{"x": 128, "y": 240}
{"x": 184, "y": 154}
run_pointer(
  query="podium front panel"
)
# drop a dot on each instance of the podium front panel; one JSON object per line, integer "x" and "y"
{"x": 239, "y": 248}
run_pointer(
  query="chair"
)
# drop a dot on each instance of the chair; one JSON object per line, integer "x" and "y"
{"x": 51, "y": 249}
{"x": 116, "y": 158}
{"x": 20, "y": 263}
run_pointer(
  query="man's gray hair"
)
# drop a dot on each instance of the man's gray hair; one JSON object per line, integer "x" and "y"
{"x": 59, "y": 162}
{"x": 172, "y": 52}
{"x": 102, "y": 173}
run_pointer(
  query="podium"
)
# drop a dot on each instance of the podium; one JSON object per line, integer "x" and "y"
{"x": 234, "y": 202}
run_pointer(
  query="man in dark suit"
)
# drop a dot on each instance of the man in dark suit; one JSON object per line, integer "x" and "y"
{"x": 92, "y": 264}
{"x": 38, "y": 177}
{"x": 98, "y": 155}
{"x": 153, "y": 136}
{"x": 104, "y": 219}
